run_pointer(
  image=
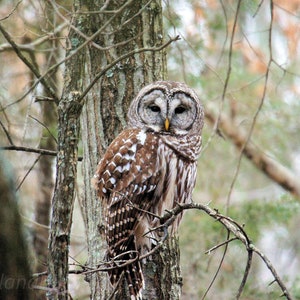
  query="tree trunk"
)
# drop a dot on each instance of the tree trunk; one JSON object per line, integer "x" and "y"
{"x": 45, "y": 178}
{"x": 63, "y": 199}
{"x": 137, "y": 26}
{"x": 69, "y": 110}
{"x": 43, "y": 202}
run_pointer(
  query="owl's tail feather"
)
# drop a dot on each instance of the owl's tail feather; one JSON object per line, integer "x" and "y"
{"x": 132, "y": 273}
{"x": 135, "y": 280}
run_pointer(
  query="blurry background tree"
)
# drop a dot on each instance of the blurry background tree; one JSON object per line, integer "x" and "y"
{"x": 242, "y": 57}
{"x": 14, "y": 263}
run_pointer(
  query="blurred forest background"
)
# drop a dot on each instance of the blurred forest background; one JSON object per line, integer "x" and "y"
{"x": 243, "y": 59}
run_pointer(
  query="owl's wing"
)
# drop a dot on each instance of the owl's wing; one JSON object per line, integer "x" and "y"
{"x": 128, "y": 165}
{"x": 126, "y": 179}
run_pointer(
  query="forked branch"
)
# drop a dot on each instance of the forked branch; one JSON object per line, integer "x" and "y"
{"x": 238, "y": 231}
{"x": 168, "y": 218}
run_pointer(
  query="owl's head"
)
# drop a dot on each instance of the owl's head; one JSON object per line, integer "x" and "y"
{"x": 167, "y": 107}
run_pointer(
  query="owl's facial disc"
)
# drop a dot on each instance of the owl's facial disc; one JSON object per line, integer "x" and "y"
{"x": 181, "y": 112}
{"x": 153, "y": 110}
{"x": 169, "y": 114}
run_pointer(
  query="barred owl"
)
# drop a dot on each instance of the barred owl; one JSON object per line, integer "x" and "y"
{"x": 146, "y": 170}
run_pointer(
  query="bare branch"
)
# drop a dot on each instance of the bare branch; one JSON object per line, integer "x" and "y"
{"x": 33, "y": 150}
{"x": 218, "y": 269}
{"x": 27, "y": 173}
{"x": 13, "y": 10}
{"x": 246, "y": 273}
{"x": 166, "y": 220}
{"x": 232, "y": 227}
{"x": 220, "y": 245}
{"x": 6, "y": 133}
{"x": 54, "y": 67}
{"x": 228, "y": 74}
{"x": 258, "y": 108}
{"x": 238, "y": 231}
{"x": 28, "y": 149}
{"x": 32, "y": 46}
{"x": 273, "y": 271}
{"x": 109, "y": 66}
{"x": 274, "y": 170}
{"x": 42, "y": 124}
{"x": 28, "y": 63}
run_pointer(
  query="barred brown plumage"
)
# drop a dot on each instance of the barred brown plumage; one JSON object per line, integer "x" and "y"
{"x": 149, "y": 167}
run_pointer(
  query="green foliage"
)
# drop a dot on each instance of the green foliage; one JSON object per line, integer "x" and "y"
{"x": 257, "y": 214}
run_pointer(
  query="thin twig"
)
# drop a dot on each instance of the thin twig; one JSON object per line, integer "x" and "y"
{"x": 133, "y": 52}
{"x": 226, "y": 83}
{"x": 246, "y": 273}
{"x": 6, "y": 133}
{"x": 258, "y": 109}
{"x": 220, "y": 245}
{"x": 12, "y": 11}
{"x": 28, "y": 149}
{"x": 273, "y": 271}
{"x": 27, "y": 173}
{"x": 30, "y": 47}
{"x": 28, "y": 63}
{"x": 33, "y": 150}
{"x": 42, "y": 124}
{"x": 218, "y": 269}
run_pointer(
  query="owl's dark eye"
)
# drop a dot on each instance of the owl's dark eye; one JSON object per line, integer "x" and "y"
{"x": 180, "y": 110}
{"x": 154, "y": 108}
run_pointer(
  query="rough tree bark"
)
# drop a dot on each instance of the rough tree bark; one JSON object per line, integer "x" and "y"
{"x": 69, "y": 110}
{"x": 134, "y": 25}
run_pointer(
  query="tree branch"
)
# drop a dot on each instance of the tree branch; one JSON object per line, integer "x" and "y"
{"x": 13, "y": 10}
{"x": 33, "y": 150}
{"x": 109, "y": 66}
{"x": 167, "y": 219}
{"x": 274, "y": 170}
{"x": 28, "y": 64}
{"x": 238, "y": 231}
{"x": 30, "y": 47}
{"x": 272, "y": 270}
{"x": 261, "y": 103}
{"x": 28, "y": 149}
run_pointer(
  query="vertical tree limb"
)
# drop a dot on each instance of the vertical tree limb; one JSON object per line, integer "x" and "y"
{"x": 64, "y": 194}
{"x": 69, "y": 110}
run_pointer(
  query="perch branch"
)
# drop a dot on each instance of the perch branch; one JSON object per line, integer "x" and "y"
{"x": 238, "y": 231}
{"x": 167, "y": 219}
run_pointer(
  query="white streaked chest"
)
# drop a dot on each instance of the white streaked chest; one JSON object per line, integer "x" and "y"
{"x": 178, "y": 179}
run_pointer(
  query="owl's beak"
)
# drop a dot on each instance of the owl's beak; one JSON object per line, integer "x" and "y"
{"x": 167, "y": 124}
